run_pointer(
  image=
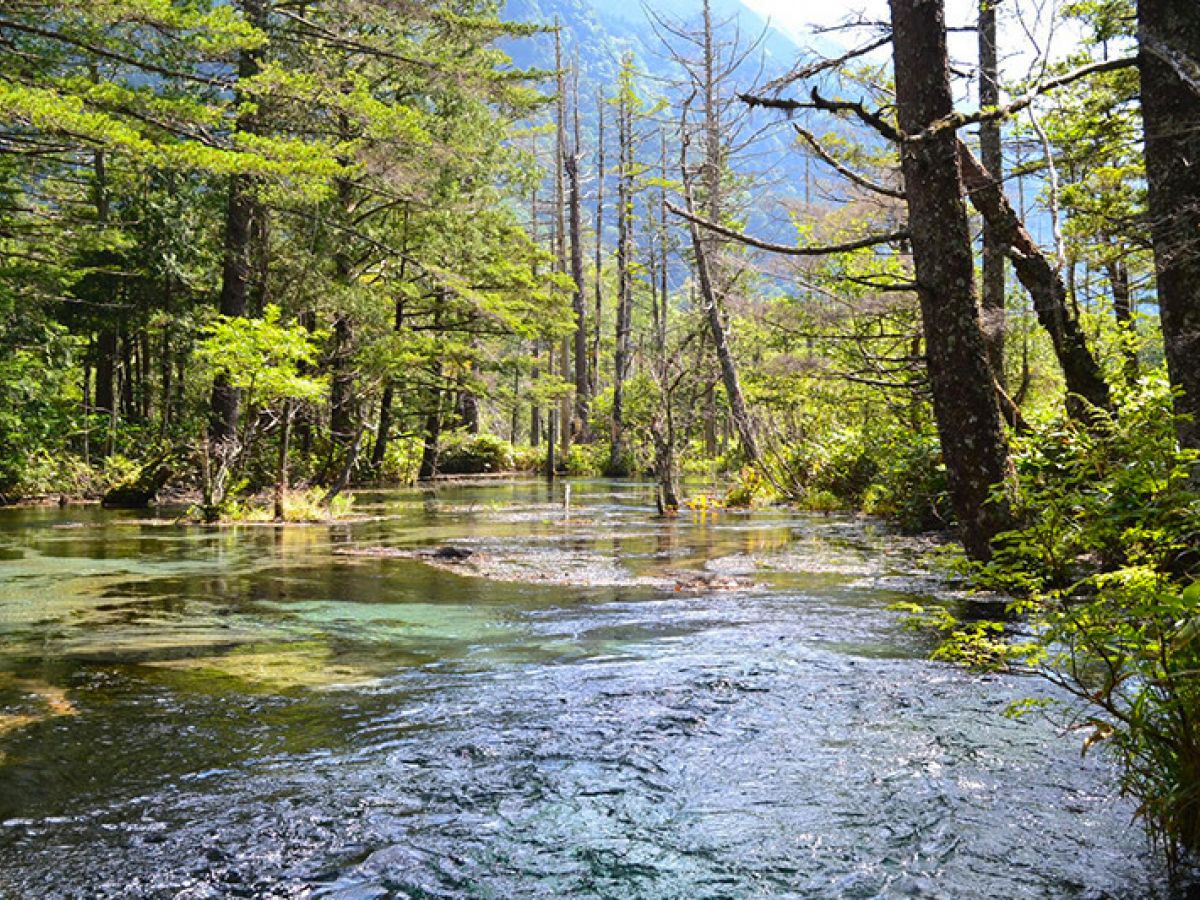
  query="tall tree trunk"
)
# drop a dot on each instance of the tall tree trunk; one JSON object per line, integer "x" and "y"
{"x": 964, "y": 397}
{"x": 281, "y": 464}
{"x": 343, "y": 413}
{"x": 1045, "y": 286}
{"x": 583, "y": 385}
{"x": 707, "y": 246}
{"x": 241, "y": 211}
{"x": 992, "y": 156}
{"x": 432, "y": 436}
{"x": 598, "y": 263}
{"x": 1169, "y": 59}
{"x": 384, "y": 429}
{"x": 535, "y": 409}
{"x": 107, "y": 345}
{"x": 1118, "y": 279}
{"x": 560, "y": 233}
{"x": 618, "y": 463}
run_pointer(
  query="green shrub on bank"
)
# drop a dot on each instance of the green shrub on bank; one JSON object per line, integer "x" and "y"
{"x": 910, "y": 485}
{"x": 1103, "y": 566}
{"x": 474, "y": 454}
{"x": 529, "y": 459}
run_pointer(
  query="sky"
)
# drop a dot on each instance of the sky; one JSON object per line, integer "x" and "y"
{"x": 1016, "y": 16}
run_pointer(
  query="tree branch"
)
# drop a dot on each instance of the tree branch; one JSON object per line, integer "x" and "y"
{"x": 954, "y": 121}
{"x": 786, "y": 249}
{"x": 843, "y": 170}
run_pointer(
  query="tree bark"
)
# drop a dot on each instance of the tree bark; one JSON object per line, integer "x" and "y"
{"x": 618, "y": 464}
{"x": 964, "y": 397}
{"x": 992, "y": 156}
{"x": 707, "y": 246}
{"x": 1169, "y": 54}
{"x": 598, "y": 313}
{"x": 1118, "y": 279}
{"x": 581, "y": 431}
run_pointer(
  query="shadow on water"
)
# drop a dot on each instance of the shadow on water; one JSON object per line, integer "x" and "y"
{"x": 196, "y": 713}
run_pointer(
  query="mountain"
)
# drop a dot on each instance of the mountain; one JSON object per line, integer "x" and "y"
{"x": 600, "y": 32}
{"x": 603, "y": 30}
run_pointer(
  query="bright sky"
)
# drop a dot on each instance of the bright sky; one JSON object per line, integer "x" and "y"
{"x": 1019, "y": 21}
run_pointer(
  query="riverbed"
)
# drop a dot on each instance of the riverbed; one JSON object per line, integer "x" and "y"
{"x": 717, "y": 706}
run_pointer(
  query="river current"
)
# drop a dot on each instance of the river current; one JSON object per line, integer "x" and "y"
{"x": 719, "y": 706}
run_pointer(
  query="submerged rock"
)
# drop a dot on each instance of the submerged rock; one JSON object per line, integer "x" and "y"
{"x": 452, "y": 554}
{"x": 711, "y": 581}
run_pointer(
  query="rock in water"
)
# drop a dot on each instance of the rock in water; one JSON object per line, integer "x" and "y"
{"x": 452, "y": 554}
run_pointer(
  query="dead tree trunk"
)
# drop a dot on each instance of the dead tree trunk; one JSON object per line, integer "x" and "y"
{"x": 1046, "y": 289}
{"x": 964, "y": 397}
{"x": 618, "y": 463}
{"x": 598, "y": 312}
{"x": 707, "y": 246}
{"x": 580, "y": 429}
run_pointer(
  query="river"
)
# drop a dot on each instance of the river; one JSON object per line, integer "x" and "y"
{"x": 254, "y": 711}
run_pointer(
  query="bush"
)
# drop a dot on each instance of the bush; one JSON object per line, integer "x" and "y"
{"x": 750, "y": 488}
{"x": 910, "y": 486}
{"x": 529, "y": 459}
{"x": 587, "y": 459}
{"x": 1109, "y": 536}
{"x": 401, "y": 461}
{"x": 299, "y": 506}
{"x": 467, "y": 454}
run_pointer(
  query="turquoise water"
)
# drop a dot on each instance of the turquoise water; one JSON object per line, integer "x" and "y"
{"x": 250, "y": 712}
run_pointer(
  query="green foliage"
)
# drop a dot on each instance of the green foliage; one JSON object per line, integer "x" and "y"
{"x": 1103, "y": 570}
{"x": 910, "y": 485}
{"x": 474, "y": 454}
{"x": 37, "y": 415}
{"x": 301, "y": 506}
{"x": 750, "y": 488}
{"x": 529, "y": 459}
{"x": 263, "y": 357}
{"x": 1099, "y": 495}
{"x": 587, "y": 459}
{"x": 401, "y": 461}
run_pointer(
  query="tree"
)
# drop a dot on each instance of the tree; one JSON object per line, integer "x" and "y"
{"x": 964, "y": 400}
{"x": 1169, "y": 61}
{"x": 992, "y": 156}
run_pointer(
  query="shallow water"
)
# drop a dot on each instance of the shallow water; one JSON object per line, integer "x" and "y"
{"x": 248, "y": 712}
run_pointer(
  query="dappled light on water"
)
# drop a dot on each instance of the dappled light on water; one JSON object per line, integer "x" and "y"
{"x": 351, "y": 710}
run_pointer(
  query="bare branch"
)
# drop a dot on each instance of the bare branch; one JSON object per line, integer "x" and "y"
{"x": 843, "y": 170}
{"x": 786, "y": 249}
{"x": 824, "y": 65}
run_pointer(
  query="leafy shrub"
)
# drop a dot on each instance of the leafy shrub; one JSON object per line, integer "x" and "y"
{"x": 467, "y": 454}
{"x": 750, "y": 488}
{"x": 307, "y": 505}
{"x": 401, "y": 461}
{"x": 910, "y": 485}
{"x": 1109, "y": 536}
{"x": 587, "y": 459}
{"x": 529, "y": 459}
{"x": 1100, "y": 496}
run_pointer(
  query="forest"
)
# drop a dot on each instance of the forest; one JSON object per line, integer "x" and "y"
{"x": 260, "y": 258}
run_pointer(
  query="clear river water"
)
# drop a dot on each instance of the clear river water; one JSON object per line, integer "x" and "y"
{"x": 596, "y": 703}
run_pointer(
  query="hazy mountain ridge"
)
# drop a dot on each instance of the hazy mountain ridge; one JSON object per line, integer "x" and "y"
{"x": 601, "y": 32}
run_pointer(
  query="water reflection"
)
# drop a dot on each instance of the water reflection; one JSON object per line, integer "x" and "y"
{"x": 190, "y": 712}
